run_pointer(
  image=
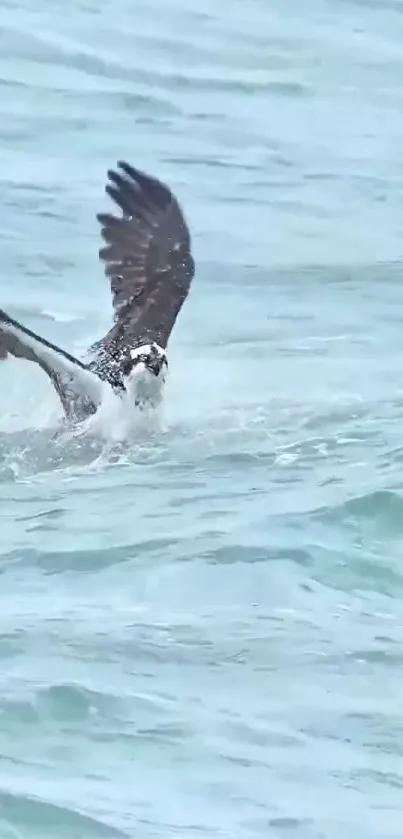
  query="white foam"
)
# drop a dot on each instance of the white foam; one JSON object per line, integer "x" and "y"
{"x": 118, "y": 419}
{"x": 59, "y": 317}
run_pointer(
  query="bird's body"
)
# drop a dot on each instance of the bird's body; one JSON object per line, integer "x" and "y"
{"x": 147, "y": 257}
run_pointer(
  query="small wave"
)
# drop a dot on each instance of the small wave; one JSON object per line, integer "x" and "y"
{"x": 70, "y": 701}
{"x": 23, "y": 312}
{"x": 85, "y": 561}
{"x": 59, "y": 317}
{"x": 383, "y": 509}
{"x": 28, "y": 453}
{"x": 26, "y": 810}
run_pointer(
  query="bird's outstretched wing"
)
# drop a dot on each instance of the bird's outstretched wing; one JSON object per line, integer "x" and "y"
{"x": 147, "y": 257}
{"x": 80, "y": 391}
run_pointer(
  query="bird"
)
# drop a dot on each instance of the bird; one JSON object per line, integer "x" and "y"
{"x": 147, "y": 257}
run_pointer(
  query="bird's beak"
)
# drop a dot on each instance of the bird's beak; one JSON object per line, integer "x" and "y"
{"x": 154, "y": 365}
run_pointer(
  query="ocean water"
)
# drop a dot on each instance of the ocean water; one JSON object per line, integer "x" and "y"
{"x": 201, "y": 627}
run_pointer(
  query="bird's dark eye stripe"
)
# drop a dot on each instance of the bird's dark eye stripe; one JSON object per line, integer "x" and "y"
{"x": 128, "y": 365}
{"x": 146, "y": 358}
{"x": 137, "y": 358}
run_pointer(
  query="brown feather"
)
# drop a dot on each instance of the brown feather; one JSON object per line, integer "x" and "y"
{"x": 147, "y": 257}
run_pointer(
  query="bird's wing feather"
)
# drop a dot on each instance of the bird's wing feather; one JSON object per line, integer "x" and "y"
{"x": 73, "y": 381}
{"x": 147, "y": 257}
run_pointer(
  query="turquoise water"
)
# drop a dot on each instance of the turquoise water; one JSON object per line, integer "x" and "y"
{"x": 201, "y": 630}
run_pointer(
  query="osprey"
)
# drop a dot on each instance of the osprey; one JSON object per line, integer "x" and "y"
{"x": 147, "y": 257}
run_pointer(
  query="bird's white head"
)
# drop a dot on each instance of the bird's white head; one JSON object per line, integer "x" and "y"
{"x": 144, "y": 374}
